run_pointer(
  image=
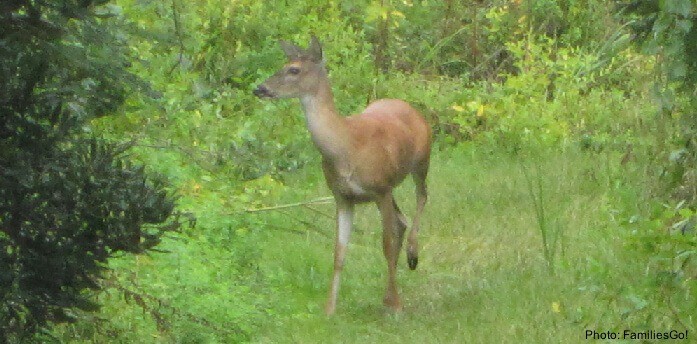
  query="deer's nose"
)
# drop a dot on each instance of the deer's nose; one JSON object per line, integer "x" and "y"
{"x": 261, "y": 91}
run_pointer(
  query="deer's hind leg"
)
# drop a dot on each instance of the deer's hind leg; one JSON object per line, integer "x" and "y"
{"x": 401, "y": 225}
{"x": 391, "y": 228}
{"x": 419, "y": 177}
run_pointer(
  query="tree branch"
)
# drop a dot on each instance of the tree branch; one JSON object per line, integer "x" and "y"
{"x": 178, "y": 32}
{"x": 321, "y": 200}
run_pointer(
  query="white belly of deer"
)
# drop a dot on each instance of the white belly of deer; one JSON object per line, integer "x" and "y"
{"x": 356, "y": 189}
{"x": 351, "y": 186}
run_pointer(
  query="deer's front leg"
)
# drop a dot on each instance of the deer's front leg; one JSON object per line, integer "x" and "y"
{"x": 344, "y": 223}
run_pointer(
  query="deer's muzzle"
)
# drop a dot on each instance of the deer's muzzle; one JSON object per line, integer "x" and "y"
{"x": 262, "y": 92}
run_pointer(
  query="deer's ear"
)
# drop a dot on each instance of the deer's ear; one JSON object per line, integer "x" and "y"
{"x": 314, "y": 51}
{"x": 292, "y": 51}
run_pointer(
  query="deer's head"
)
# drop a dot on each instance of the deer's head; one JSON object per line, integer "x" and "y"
{"x": 299, "y": 76}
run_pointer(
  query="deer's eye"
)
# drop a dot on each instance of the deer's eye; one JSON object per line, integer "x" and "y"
{"x": 294, "y": 70}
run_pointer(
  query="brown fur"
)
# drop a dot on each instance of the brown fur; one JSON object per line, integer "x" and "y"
{"x": 389, "y": 140}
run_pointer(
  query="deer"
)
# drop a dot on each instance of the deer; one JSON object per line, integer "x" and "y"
{"x": 364, "y": 157}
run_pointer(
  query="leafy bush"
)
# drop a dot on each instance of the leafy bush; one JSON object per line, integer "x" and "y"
{"x": 668, "y": 29}
{"x": 61, "y": 218}
{"x": 67, "y": 203}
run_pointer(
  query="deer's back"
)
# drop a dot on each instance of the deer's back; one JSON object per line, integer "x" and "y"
{"x": 394, "y": 122}
{"x": 390, "y": 138}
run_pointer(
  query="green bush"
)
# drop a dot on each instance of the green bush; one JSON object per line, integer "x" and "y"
{"x": 61, "y": 219}
{"x": 68, "y": 202}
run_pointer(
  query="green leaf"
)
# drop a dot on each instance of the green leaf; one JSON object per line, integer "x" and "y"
{"x": 679, "y": 7}
{"x": 678, "y": 70}
{"x": 683, "y": 25}
{"x": 661, "y": 24}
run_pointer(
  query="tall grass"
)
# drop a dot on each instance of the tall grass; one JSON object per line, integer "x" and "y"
{"x": 550, "y": 228}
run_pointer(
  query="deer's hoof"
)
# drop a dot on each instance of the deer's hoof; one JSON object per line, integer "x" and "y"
{"x": 413, "y": 261}
{"x": 329, "y": 308}
{"x": 412, "y": 256}
{"x": 393, "y": 305}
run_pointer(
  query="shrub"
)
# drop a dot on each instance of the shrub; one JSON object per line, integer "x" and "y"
{"x": 67, "y": 202}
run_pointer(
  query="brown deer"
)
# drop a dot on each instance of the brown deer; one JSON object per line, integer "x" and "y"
{"x": 365, "y": 157}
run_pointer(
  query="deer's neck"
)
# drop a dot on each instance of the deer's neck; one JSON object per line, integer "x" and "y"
{"x": 328, "y": 129}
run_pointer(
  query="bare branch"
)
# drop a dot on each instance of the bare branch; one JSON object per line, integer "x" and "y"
{"x": 321, "y": 200}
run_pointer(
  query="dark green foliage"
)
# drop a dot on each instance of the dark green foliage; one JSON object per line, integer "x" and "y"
{"x": 668, "y": 29}
{"x": 67, "y": 203}
{"x": 61, "y": 218}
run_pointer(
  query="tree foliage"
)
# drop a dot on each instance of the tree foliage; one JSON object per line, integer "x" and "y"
{"x": 668, "y": 30}
{"x": 67, "y": 202}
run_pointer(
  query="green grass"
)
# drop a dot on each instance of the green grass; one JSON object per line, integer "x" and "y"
{"x": 482, "y": 275}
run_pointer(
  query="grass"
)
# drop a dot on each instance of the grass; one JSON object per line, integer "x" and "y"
{"x": 482, "y": 276}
